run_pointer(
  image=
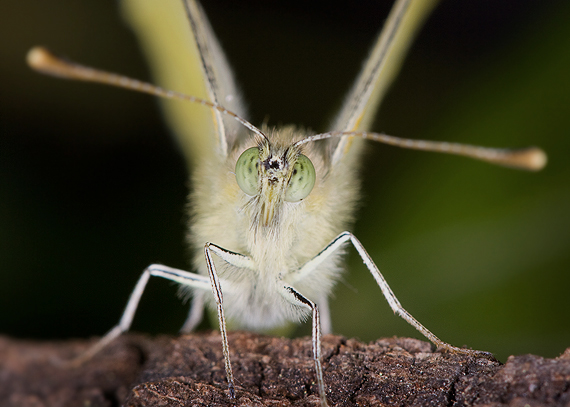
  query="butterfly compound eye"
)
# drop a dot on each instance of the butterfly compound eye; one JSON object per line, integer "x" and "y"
{"x": 247, "y": 171}
{"x": 302, "y": 180}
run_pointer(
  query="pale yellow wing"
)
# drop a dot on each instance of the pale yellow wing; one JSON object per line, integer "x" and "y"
{"x": 185, "y": 56}
{"x": 378, "y": 72}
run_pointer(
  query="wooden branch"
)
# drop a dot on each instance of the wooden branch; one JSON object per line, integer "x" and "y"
{"x": 188, "y": 370}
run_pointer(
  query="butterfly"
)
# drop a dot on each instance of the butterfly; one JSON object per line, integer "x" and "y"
{"x": 271, "y": 207}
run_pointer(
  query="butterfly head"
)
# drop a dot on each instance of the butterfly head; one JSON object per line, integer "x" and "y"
{"x": 273, "y": 175}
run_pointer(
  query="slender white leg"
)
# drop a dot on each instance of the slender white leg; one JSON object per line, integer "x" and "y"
{"x": 296, "y": 298}
{"x": 196, "y": 312}
{"x": 289, "y": 293}
{"x": 237, "y": 260}
{"x": 345, "y": 237}
{"x": 217, "y": 290}
{"x": 158, "y": 270}
{"x": 326, "y": 322}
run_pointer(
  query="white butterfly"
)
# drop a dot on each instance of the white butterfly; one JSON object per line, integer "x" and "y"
{"x": 271, "y": 207}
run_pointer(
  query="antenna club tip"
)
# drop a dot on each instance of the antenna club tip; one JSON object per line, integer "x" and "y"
{"x": 44, "y": 61}
{"x": 537, "y": 159}
{"x": 37, "y": 57}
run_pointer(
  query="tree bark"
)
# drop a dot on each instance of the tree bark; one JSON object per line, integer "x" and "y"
{"x": 137, "y": 370}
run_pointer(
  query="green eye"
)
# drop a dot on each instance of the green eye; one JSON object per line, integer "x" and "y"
{"x": 302, "y": 181}
{"x": 247, "y": 172}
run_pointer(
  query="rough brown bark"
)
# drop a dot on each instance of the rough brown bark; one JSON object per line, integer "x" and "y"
{"x": 188, "y": 370}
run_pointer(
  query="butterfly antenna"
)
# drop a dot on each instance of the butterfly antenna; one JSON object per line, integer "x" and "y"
{"x": 44, "y": 61}
{"x": 531, "y": 158}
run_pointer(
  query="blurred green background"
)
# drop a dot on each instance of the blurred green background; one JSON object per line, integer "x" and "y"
{"x": 92, "y": 188}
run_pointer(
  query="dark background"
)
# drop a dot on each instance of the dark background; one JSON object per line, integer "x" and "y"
{"x": 92, "y": 188}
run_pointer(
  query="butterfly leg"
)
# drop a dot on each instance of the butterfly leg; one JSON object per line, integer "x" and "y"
{"x": 158, "y": 270}
{"x": 337, "y": 244}
{"x": 296, "y": 298}
{"x": 326, "y": 322}
{"x": 237, "y": 260}
{"x": 196, "y": 312}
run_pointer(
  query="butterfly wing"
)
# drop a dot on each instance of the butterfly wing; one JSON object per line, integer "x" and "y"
{"x": 185, "y": 56}
{"x": 380, "y": 69}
